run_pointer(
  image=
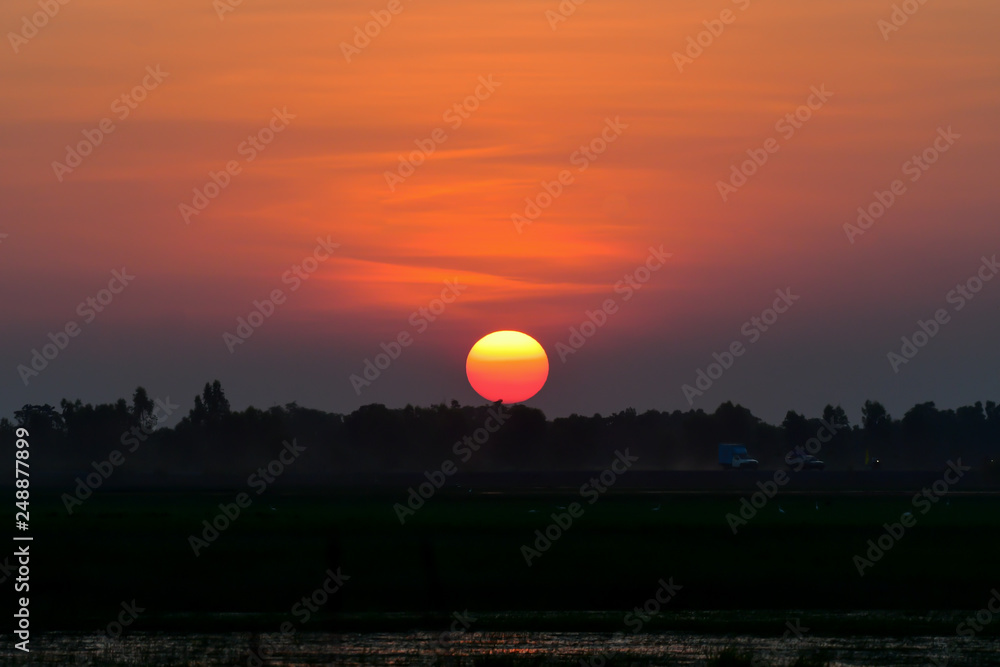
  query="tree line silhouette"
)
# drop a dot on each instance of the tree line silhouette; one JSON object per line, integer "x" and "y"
{"x": 214, "y": 439}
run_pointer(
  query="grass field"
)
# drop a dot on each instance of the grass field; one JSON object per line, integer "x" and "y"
{"x": 464, "y": 552}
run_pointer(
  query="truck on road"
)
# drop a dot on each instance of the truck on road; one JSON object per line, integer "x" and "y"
{"x": 735, "y": 456}
{"x": 798, "y": 461}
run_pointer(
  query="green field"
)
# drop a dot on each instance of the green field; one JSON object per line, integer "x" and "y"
{"x": 464, "y": 552}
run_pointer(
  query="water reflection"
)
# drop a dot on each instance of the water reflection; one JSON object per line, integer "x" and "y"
{"x": 474, "y": 649}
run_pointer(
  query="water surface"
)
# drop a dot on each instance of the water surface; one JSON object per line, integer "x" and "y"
{"x": 495, "y": 648}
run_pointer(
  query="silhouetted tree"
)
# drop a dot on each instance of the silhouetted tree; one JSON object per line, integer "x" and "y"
{"x": 877, "y": 428}
{"x": 521, "y": 439}
{"x": 836, "y": 416}
{"x": 797, "y": 430}
{"x": 734, "y": 423}
{"x": 40, "y": 420}
{"x": 7, "y": 430}
{"x": 220, "y": 443}
{"x": 142, "y": 409}
{"x": 875, "y": 419}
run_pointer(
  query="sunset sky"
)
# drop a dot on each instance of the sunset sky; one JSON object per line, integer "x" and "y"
{"x": 660, "y": 133}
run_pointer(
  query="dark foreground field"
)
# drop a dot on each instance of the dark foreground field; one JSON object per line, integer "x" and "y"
{"x": 463, "y": 551}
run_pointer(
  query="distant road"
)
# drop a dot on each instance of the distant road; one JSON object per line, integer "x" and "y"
{"x": 634, "y": 481}
{"x": 735, "y": 481}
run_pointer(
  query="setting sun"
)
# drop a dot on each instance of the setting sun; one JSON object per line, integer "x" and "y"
{"x": 508, "y": 366}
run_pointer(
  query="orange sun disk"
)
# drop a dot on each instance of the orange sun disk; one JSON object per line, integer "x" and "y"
{"x": 508, "y": 366}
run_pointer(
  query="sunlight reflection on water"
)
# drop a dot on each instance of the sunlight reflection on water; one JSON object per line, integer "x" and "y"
{"x": 498, "y": 648}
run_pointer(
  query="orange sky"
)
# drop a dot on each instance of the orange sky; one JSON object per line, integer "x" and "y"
{"x": 656, "y": 184}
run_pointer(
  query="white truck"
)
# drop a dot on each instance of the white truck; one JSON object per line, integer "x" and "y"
{"x": 735, "y": 456}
